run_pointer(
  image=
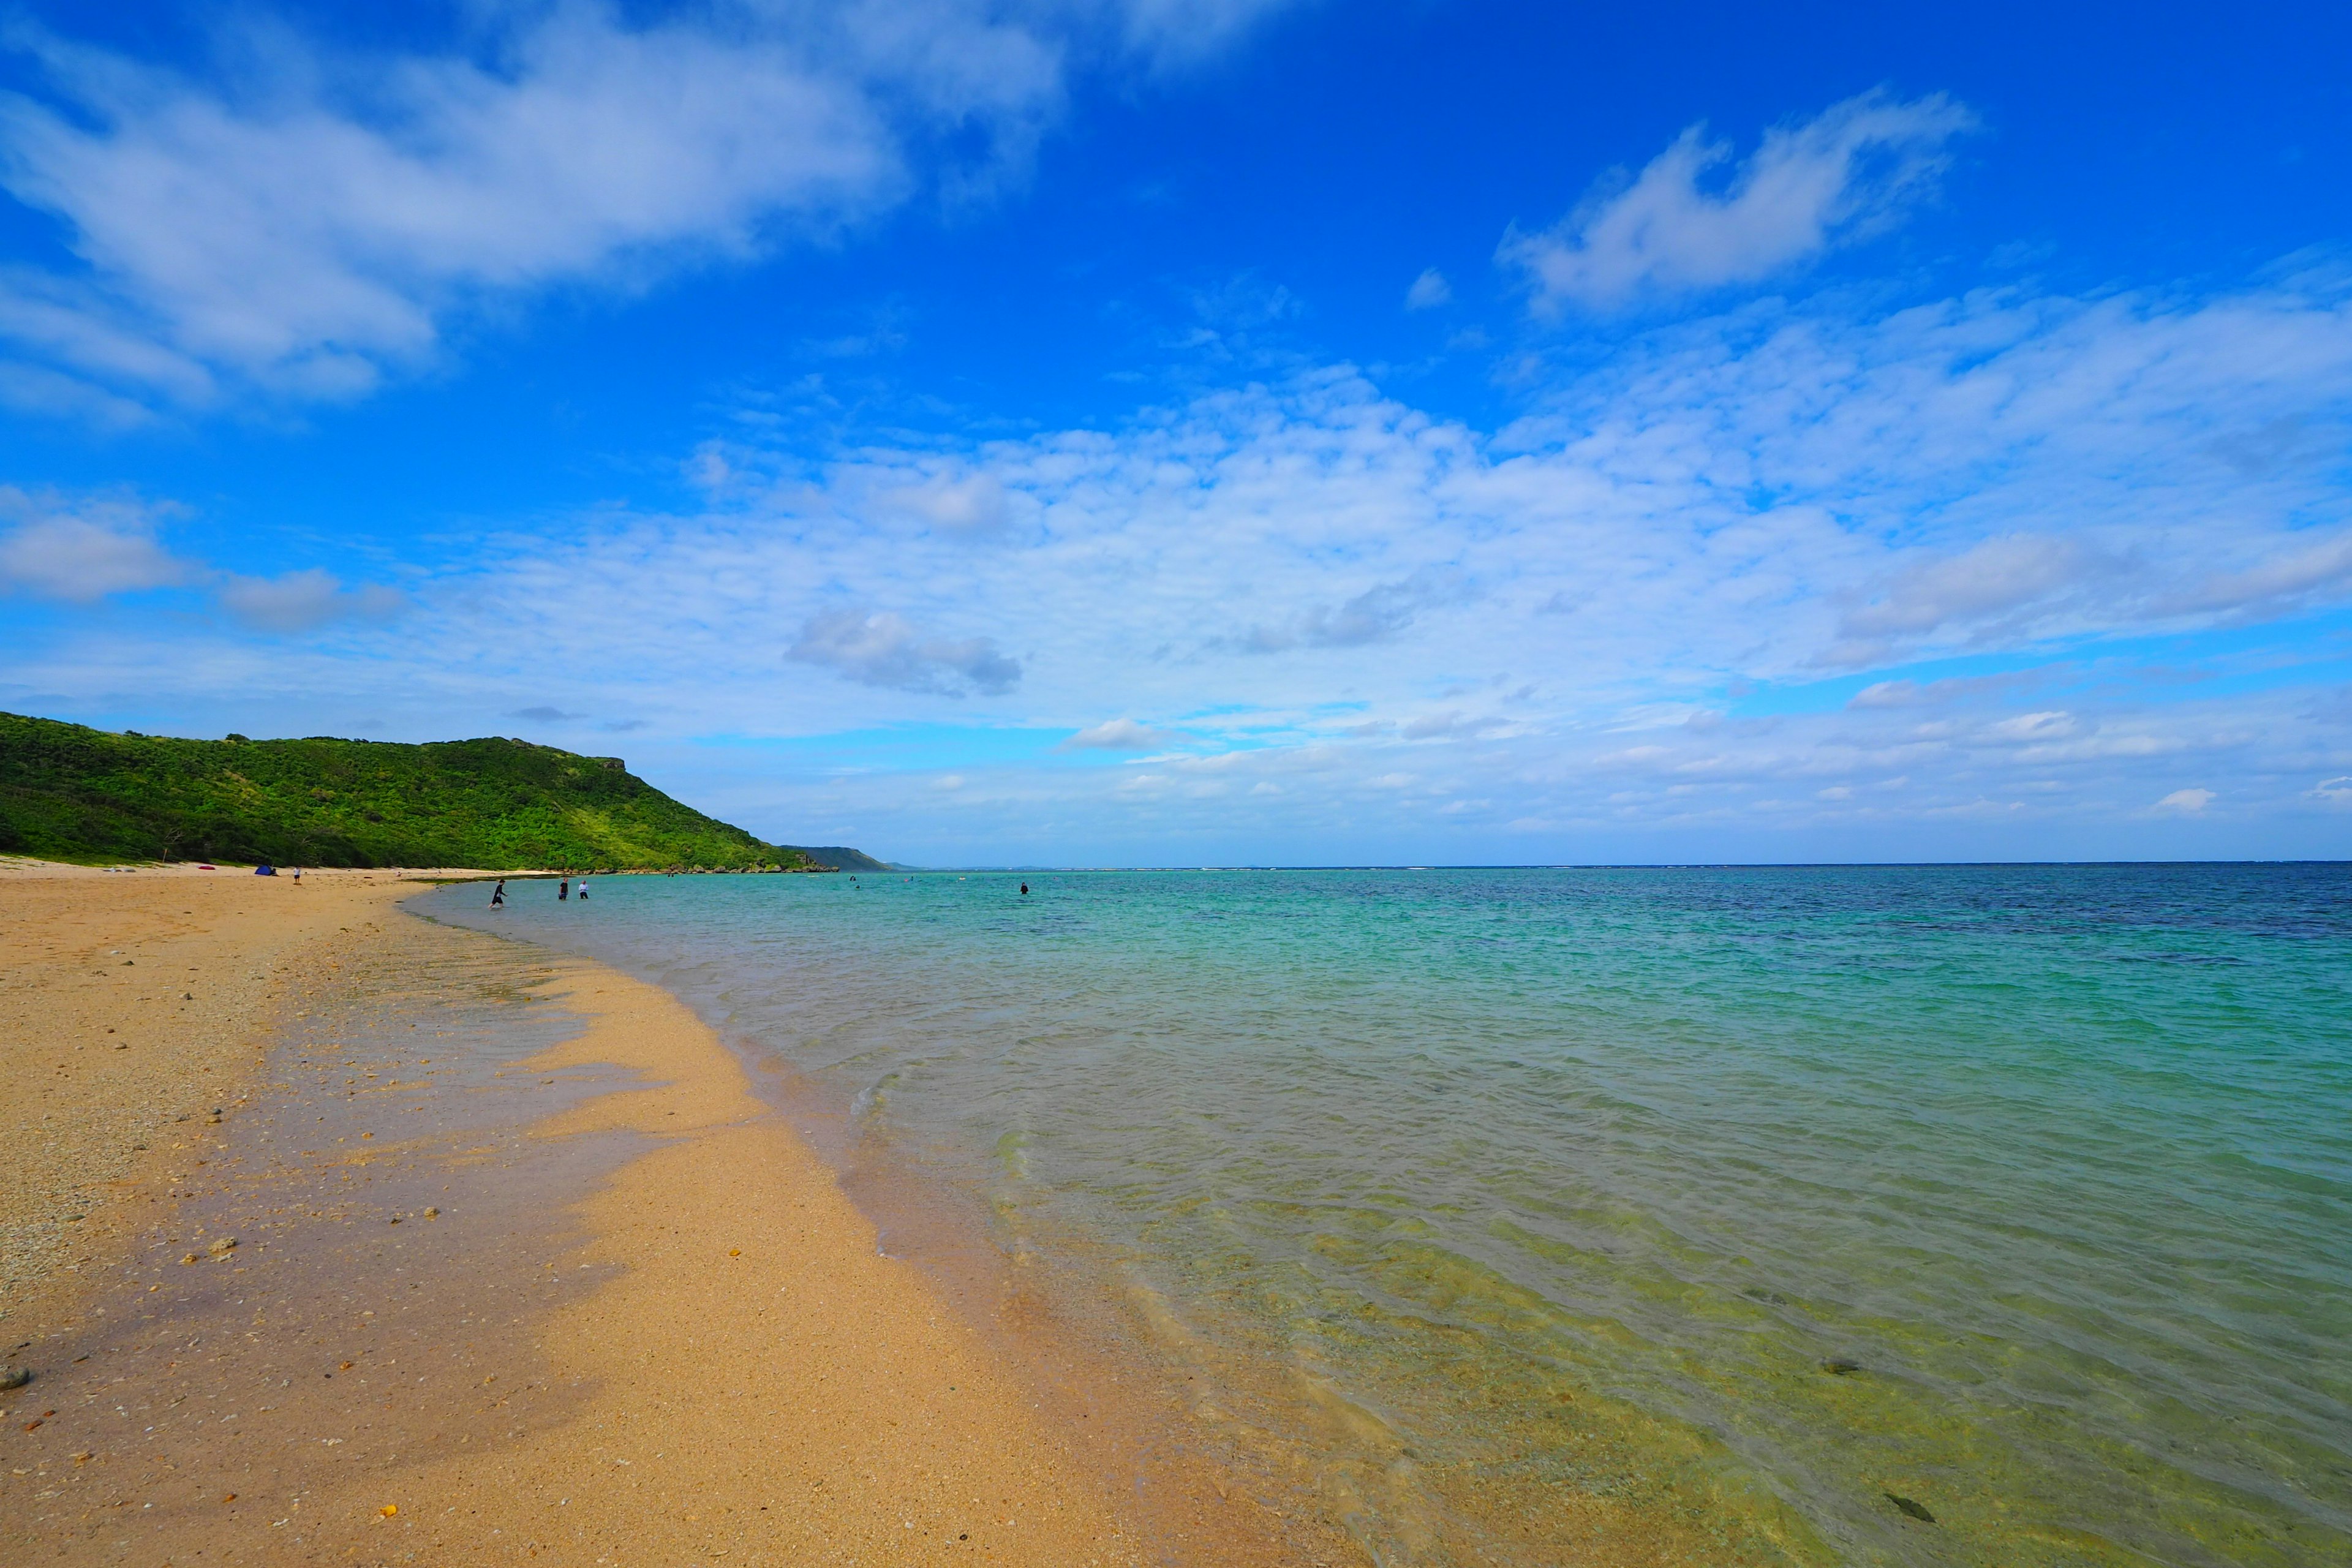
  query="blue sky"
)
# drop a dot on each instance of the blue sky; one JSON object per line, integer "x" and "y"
{"x": 1117, "y": 431}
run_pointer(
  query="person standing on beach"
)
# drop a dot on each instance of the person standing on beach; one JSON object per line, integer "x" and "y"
{"x": 498, "y": 895}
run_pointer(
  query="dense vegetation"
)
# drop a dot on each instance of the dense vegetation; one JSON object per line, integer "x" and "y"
{"x": 69, "y": 792}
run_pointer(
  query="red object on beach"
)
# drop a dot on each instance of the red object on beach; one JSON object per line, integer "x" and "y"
{"x": 202, "y": 867}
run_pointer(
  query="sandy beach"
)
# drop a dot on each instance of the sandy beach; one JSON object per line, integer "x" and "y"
{"x": 490, "y": 1255}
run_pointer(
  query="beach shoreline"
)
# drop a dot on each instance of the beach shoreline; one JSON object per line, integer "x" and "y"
{"x": 629, "y": 1312}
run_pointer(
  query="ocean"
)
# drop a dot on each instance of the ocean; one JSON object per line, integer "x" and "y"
{"x": 1886, "y": 1215}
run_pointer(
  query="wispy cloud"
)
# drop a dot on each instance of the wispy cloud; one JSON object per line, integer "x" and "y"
{"x": 1118, "y": 735}
{"x": 1340, "y": 597}
{"x": 1839, "y": 177}
{"x": 303, "y": 600}
{"x": 314, "y": 220}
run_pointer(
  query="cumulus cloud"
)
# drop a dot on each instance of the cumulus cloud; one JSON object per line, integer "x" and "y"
{"x": 1848, "y": 174}
{"x": 315, "y": 219}
{"x": 1428, "y": 291}
{"x": 82, "y": 550}
{"x": 882, "y": 650}
{"x": 305, "y": 600}
{"x": 2187, "y": 801}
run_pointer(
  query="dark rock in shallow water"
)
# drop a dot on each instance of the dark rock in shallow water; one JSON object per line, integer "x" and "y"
{"x": 1841, "y": 1367}
{"x": 1913, "y": 1508}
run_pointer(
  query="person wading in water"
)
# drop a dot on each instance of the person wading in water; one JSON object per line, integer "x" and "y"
{"x": 498, "y": 895}
{"x": 562, "y": 888}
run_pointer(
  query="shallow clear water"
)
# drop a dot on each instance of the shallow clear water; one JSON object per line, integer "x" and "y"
{"x": 1752, "y": 1200}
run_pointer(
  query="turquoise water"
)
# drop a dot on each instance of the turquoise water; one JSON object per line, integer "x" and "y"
{"x": 1727, "y": 1206}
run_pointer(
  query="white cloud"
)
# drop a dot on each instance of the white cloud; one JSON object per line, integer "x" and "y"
{"x": 2335, "y": 792}
{"x": 882, "y": 650}
{"x": 85, "y": 548}
{"x": 1987, "y": 579}
{"x": 1932, "y": 693}
{"x": 1835, "y": 179}
{"x": 311, "y": 220}
{"x": 2292, "y": 575}
{"x": 1450, "y": 725}
{"x": 2034, "y": 727}
{"x": 1175, "y": 31}
{"x": 1428, "y": 291}
{"x": 1118, "y": 735}
{"x": 965, "y": 507}
{"x": 2031, "y": 481}
{"x": 82, "y": 550}
{"x": 2189, "y": 801}
{"x": 1379, "y": 614}
{"x": 305, "y": 600}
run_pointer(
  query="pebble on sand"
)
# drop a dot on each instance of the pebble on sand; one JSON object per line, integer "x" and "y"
{"x": 16, "y": 1377}
{"x": 221, "y": 1246}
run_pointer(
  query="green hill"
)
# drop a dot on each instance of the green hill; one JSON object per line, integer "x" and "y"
{"x": 69, "y": 792}
{"x": 843, "y": 859}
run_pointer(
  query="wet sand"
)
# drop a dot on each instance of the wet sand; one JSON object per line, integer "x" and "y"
{"x": 133, "y": 1004}
{"x": 494, "y": 1256}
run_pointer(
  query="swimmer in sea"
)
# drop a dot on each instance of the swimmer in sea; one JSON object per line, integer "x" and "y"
{"x": 1025, "y": 890}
